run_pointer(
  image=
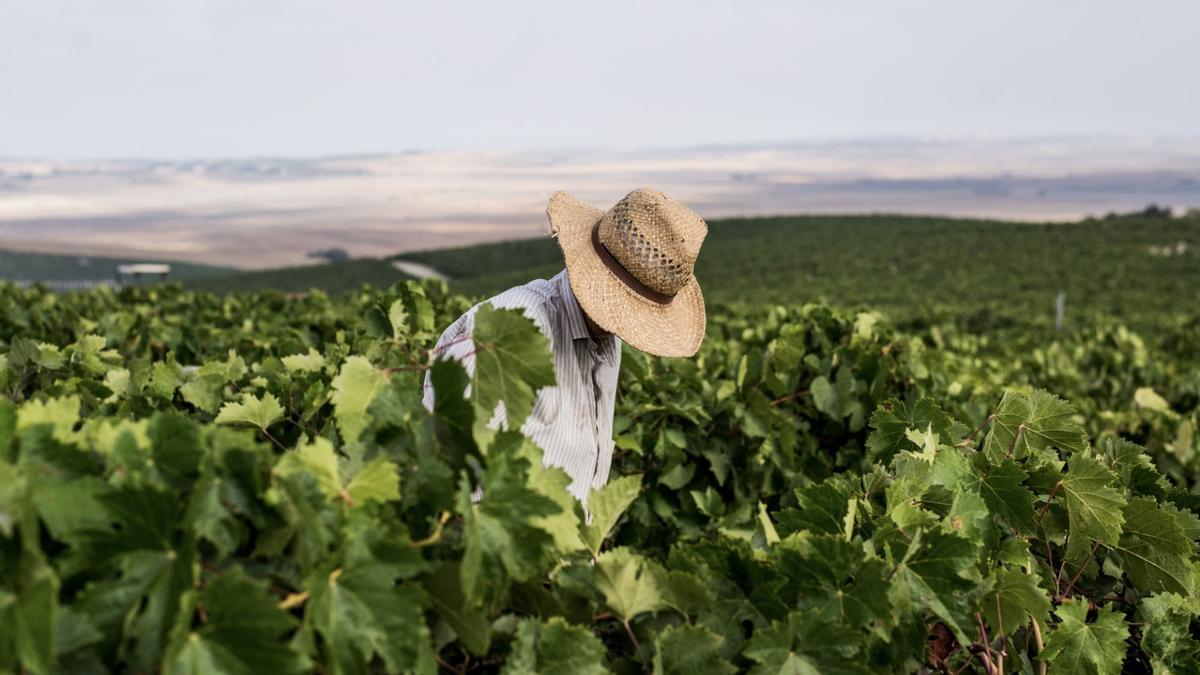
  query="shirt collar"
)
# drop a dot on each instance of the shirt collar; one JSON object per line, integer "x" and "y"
{"x": 576, "y": 324}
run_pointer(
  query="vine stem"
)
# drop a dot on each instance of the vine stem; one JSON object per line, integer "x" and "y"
{"x": 1016, "y": 437}
{"x": 293, "y": 600}
{"x": 967, "y": 441}
{"x": 1050, "y": 562}
{"x": 441, "y": 348}
{"x": 430, "y": 355}
{"x": 1037, "y": 638}
{"x": 629, "y": 631}
{"x": 987, "y": 646}
{"x": 404, "y": 369}
{"x": 1071, "y": 584}
{"x": 789, "y": 397}
{"x": 1003, "y": 638}
{"x": 435, "y": 536}
{"x": 1049, "y": 552}
{"x": 274, "y": 440}
{"x": 1053, "y": 491}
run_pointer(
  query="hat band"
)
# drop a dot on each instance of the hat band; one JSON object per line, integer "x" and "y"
{"x": 623, "y": 274}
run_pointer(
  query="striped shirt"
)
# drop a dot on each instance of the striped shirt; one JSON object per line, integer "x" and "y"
{"x": 572, "y": 421}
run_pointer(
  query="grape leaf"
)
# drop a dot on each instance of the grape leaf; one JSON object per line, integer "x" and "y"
{"x": 804, "y": 645}
{"x": 502, "y": 541}
{"x": 1166, "y": 635}
{"x": 165, "y": 378}
{"x": 453, "y": 414}
{"x": 1125, "y": 458}
{"x": 204, "y": 392}
{"x": 512, "y": 363}
{"x": 67, "y": 507}
{"x": 554, "y": 483}
{"x": 1075, "y": 646}
{"x": 378, "y": 481}
{"x": 49, "y": 356}
{"x": 926, "y": 440}
{"x": 825, "y": 397}
{"x": 309, "y": 362}
{"x": 823, "y": 508}
{"x": 687, "y": 650}
{"x": 417, "y": 314}
{"x": 627, "y": 583}
{"x": 554, "y": 648}
{"x": 1155, "y": 550}
{"x": 1014, "y": 598}
{"x": 259, "y": 412}
{"x": 354, "y": 388}
{"x": 155, "y": 568}
{"x": 1026, "y": 424}
{"x": 244, "y": 633}
{"x": 204, "y": 387}
{"x": 892, "y": 420}
{"x": 60, "y": 413}
{"x": 316, "y": 460}
{"x": 398, "y": 319}
{"x": 936, "y": 574}
{"x": 1001, "y": 486}
{"x": 8, "y": 428}
{"x": 359, "y": 610}
{"x": 606, "y": 506}
{"x": 835, "y": 579}
{"x": 89, "y": 353}
{"x": 684, "y": 592}
{"x": 309, "y": 525}
{"x": 29, "y": 614}
{"x": 471, "y": 625}
{"x": 1094, "y": 508}
{"x": 209, "y": 517}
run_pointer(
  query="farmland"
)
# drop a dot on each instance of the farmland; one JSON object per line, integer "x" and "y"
{"x": 884, "y": 458}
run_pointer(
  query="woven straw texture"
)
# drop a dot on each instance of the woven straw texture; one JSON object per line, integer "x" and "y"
{"x": 656, "y": 239}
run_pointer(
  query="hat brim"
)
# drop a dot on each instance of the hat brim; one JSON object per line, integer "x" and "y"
{"x": 672, "y": 329}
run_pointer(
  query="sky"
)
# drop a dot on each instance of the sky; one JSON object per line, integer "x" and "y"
{"x": 179, "y": 79}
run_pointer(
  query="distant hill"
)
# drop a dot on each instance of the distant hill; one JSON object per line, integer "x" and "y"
{"x": 50, "y": 267}
{"x": 333, "y": 277}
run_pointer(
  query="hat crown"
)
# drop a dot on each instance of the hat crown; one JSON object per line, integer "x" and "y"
{"x": 654, "y": 237}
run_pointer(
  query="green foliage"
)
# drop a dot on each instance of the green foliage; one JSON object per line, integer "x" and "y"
{"x": 554, "y": 648}
{"x": 250, "y": 484}
{"x": 239, "y": 634}
{"x": 261, "y": 413}
{"x": 1077, "y": 646}
{"x": 354, "y": 389}
{"x": 513, "y": 362}
{"x": 606, "y": 506}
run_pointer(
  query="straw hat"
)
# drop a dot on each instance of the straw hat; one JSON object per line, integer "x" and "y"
{"x": 631, "y": 268}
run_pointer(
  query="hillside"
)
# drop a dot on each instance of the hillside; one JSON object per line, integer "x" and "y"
{"x": 50, "y": 267}
{"x": 331, "y": 278}
{"x": 981, "y": 271}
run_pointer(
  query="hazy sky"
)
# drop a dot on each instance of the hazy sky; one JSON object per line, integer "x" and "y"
{"x": 187, "y": 78}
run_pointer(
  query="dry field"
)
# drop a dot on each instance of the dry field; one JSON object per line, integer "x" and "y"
{"x": 267, "y": 212}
